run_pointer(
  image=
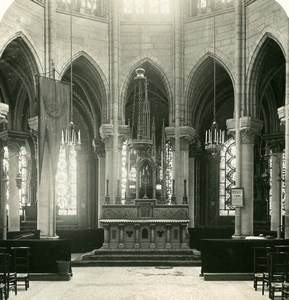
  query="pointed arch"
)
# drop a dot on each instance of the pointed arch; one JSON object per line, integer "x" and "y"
{"x": 92, "y": 89}
{"x": 263, "y": 45}
{"x": 30, "y": 52}
{"x": 198, "y": 88}
{"x": 131, "y": 74}
{"x": 19, "y": 64}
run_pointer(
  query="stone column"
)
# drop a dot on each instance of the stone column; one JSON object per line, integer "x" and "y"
{"x": 99, "y": 150}
{"x": 276, "y": 189}
{"x": 184, "y": 240}
{"x": 50, "y": 36}
{"x": 240, "y": 62}
{"x": 114, "y": 42}
{"x": 152, "y": 243}
{"x": 187, "y": 135}
{"x": 121, "y": 227}
{"x": 249, "y": 128}
{"x": 4, "y": 109}
{"x": 14, "y": 190}
{"x": 178, "y": 96}
{"x": 106, "y": 132}
{"x": 14, "y": 142}
{"x": 168, "y": 236}
{"x": 46, "y": 206}
{"x": 105, "y": 236}
{"x": 181, "y": 158}
{"x": 283, "y": 114}
{"x": 192, "y": 186}
{"x": 136, "y": 228}
{"x": 3, "y": 212}
{"x": 34, "y": 181}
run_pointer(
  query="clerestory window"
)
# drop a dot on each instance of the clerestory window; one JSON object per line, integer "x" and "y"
{"x": 141, "y": 7}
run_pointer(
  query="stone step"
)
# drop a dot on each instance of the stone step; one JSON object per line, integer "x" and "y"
{"x": 140, "y": 256}
{"x": 135, "y": 262}
{"x": 101, "y": 251}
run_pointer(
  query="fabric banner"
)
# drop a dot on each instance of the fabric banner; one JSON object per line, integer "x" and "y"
{"x": 54, "y": 108}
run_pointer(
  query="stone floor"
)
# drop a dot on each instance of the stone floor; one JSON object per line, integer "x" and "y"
{"x": 139, "y": 283}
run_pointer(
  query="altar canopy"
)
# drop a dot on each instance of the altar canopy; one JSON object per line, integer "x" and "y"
{"x": 54, "y": 108}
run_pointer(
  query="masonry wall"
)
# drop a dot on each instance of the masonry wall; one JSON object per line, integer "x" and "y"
{"x": 157, "y": 37}
{"x": 265, "y": 16}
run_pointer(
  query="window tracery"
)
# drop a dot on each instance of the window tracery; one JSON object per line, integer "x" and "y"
{"x": 152, "y": 7}
{"x": 227, "y": 177}
{"x": 66, "y": 181}
{"x": 169, "y": 170}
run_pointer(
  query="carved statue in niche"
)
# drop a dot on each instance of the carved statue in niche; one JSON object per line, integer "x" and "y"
{"x": 146, "y": 181}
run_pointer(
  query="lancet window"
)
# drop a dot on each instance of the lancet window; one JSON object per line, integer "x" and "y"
{"x": 169, "y": 170}
{"x": 199, "y": 7}
{"x": 66, "y": 181}
{"x": 124, "y": 156}
{"x": 23, "y": 173}
{"x": 152, "y": 7}
{"x": 227, "y": 177}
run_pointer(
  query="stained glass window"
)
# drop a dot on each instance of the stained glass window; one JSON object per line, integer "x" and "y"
{"x": 283, "y": 183}
{"x": 169, "y": 169}
{"x": 23, "y": 173}
{"x": 164, "y": 7}
{"x": 202, "y": 4}
{"x": 6, "y": 168}
{"x": 124, "y": 154}
{"x": 128, "y": 6}
{"x": 153, "y": 7}
{"x": 227, "y": 177}
{"x": 140, "y": 7}
{"x": 66, "y": 181}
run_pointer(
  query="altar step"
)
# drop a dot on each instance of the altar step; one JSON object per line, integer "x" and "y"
{"x": 139, "y": 257}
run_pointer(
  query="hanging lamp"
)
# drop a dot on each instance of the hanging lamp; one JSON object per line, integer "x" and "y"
{"x": 215, "y": 137}
{"x": 71, "y": 137}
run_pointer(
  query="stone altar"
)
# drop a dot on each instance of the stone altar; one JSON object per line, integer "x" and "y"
{"x": 145, "y": 224}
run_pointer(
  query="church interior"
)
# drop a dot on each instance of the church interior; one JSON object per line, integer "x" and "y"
{"x": 145, "y": 126}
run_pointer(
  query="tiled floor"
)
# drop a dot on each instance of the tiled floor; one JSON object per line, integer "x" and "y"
{"x": 139, "y": 283}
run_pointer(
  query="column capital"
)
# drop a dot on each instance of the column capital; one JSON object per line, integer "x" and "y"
{"x": 106, "y": 133}
{"x": 34, "y": 124}
{"x": 106, "y": 130}
{"x": 123, "y": 134}
{"x": 187, "y": 135}
{"x": 13, "y": 139}
{"x": 170, "y": 133}
{"x": 4, "y": 109}
{"x": 99, "y": 147}
{"x": 123, "y": 131}
{"x": 249, "y": 128}
{"x": 282, "y": 114}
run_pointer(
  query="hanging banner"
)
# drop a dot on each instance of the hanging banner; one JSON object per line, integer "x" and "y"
{"x": 237, "y": 196}
{"x": 54, "y": 108}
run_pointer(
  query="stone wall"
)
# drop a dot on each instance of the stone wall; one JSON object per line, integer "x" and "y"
{"x": 91, "y": 36}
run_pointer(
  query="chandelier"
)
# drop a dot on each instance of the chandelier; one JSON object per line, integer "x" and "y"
{"x": 215, "y": 137}
{"x": 71, "y": 137}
